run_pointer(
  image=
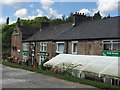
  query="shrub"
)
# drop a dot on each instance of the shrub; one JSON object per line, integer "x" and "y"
{"x": 42, "y": 62}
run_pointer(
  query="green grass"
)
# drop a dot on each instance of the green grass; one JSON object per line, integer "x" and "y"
{"x": 65, "y": 77}
{"x": 0, "y": 61}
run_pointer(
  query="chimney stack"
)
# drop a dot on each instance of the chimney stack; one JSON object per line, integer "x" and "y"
{"x": 18, "y": 22}
{"x": 78, "y": 18}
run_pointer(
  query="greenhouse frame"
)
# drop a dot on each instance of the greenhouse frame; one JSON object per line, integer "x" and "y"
{"x": 101, "y": 68}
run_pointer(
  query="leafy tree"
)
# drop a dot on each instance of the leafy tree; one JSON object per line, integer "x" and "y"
{"x": 97, "y": 16}
{"x": 70, "y": 18}
{"x": 18, "y": 20}
{"x": 6, "y": 40}
{"x": 63, "y": 17}
{"x": 7, "y": 20}
{"x": 56, "y": 21}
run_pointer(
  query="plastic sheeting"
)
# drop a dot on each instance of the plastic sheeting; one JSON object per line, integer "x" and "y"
{"x": 101, "y": 65}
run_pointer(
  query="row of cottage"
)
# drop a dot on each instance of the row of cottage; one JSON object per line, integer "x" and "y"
{"x": 99, "y": 37}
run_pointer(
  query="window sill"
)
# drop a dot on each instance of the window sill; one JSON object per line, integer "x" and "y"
{"x": 59, "y": 52}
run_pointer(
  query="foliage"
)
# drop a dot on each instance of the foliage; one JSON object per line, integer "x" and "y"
{"x": 97, "y": 16}
{"x": 35, "y": 22}
{"x": 6, "y": 40}
{"x": 70, "y": 18}
{"x": 42, "y": 62}
{"x": 56, "y": 21}
{"x": 7, "y": 21}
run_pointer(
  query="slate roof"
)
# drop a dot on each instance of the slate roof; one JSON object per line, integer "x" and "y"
{"x": 28, "y": 31}
{"x": 50, "y": 32}
{"x": 99, "y": 29}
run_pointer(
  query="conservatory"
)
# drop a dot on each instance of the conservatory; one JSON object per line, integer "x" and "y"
{"x": 101, "y": 68}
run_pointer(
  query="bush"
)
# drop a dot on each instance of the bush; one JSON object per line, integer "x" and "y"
{"x": 42, "y": 62}
{"x": 5, "y": 54}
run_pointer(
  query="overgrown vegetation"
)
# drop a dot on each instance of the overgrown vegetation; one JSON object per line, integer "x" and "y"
{"x": 6, "y": 39}
{"x": 64, "y": 76}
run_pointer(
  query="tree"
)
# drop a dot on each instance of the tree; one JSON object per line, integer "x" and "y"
{"x": 7, "y": 20}
{"x": 18, "y": 20}
{"x": 97, "y": 16}
{"x": 70, "y": 18}
{"x": 56, "y": 21}
{"x": 6, "y": 34}
{"x": 63, "y": 17}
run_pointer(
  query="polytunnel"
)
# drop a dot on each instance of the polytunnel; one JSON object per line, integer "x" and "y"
{"x": 101, "y": 65}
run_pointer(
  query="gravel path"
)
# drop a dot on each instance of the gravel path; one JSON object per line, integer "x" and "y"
{"x": 17, "y": 78}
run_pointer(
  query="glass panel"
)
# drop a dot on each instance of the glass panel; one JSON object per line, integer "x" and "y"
{"x": 25, "y": 46}
{"x": 116, "y": 46}
{"x": 107, "y": 47}
{"x": 41, "y": 48}
{"x": 75, "y": 47}
{"x": 61, "y": 47}
{"x": 45, "y": 48}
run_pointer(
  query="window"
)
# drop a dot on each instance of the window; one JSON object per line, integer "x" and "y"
{"x": 43, "y": 46}
{"x": 14, "y": 48}
{"x": 111, "y": 45}
{"x": 116, "y": 46}
{"x": 74, "y": 47}
{"x": 107, "y": 46}
{"x": 25, "y": 46}
{"x": 60, "y": 47}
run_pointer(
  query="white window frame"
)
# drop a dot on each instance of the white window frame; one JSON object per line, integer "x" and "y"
{"x": 109, "y": 42}
{"x": 57, "y": 51}
{"x": 72, "y": 49}
{"x": 25, "y": 46}
{"x": 43, "y": 44}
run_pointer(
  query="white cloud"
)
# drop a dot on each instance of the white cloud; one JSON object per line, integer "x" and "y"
{"x": 54, "y": 13}
{"x": 107, "y": 6}
{"x": 31, "y": 17}
{"x": 21, "y": 13}
{"x": 2, "y": 20}
{"x": 85, "y": 11}
{"x": 10, "y": 2}
{"x": 39, "y": 12}
{"x": 46, "y": 6}
{"x": 47, "y": 2}
{"x": 11, "y": 22}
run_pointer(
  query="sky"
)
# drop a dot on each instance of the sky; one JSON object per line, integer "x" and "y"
{"x": 29, "y": 9}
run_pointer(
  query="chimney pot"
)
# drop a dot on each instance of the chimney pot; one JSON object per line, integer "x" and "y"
{"x": 78, "y": 18}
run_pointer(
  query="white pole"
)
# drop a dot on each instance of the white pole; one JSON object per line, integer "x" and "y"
{"x": 111, "y": 81}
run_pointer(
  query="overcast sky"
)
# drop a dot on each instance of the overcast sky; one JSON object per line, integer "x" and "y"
{"x": 29, "y": 9}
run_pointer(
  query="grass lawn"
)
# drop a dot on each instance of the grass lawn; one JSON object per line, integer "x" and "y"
{"x": 65, "y": 77}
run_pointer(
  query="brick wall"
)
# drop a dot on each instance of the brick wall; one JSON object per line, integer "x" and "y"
{"x": 92, "y": 47}
{"x": 37, "y": 49}
{"x": 83, "y": 48}
{"x": 16, "y": 41}
{"x": 50, "y": 49}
